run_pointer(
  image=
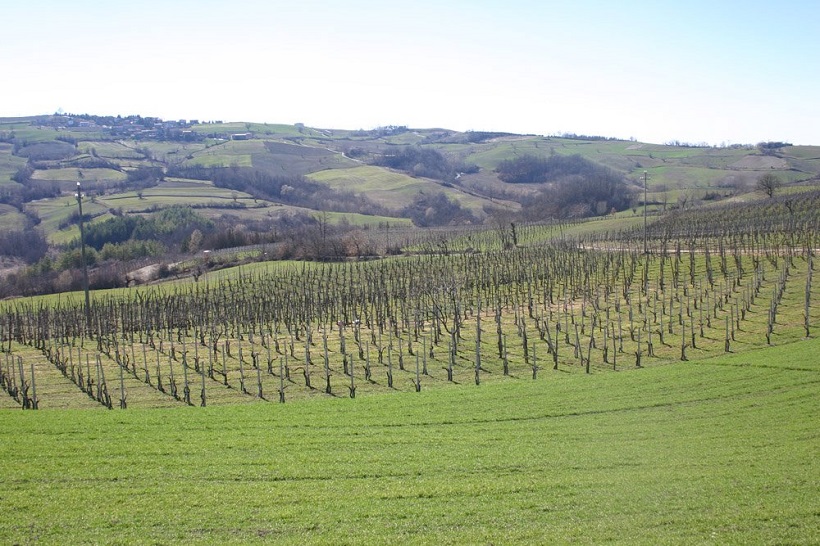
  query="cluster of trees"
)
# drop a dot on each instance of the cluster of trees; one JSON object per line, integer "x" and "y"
{"x": 168, "y": 226}
{"x": 290, "y": 189}
{"x": 291, "y": 236}
{"x": 28, "y": 245}
{"x": 29, "y": 190}
{"x": 260, "y": 184}
{"x": 531, "y": 169}
{"x": 581, "y": 196}
{"x": 576, "y": 186}
{"x": 112, "y": 248}
{"x": 123, "y": 253}
{"x": 769, "y": 148}
{"x": 52, "y": 276}
{"x": 425, "y": 162}
{"x": 592, "y": 138}
{"x": 436, "y": 209}
{"x": 144, "y": 177}
{"x": 23, "y": 174}
{"x": 119, "y": 245}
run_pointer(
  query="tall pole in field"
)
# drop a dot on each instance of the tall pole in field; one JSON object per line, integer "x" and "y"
{"x": 79, "y": 196}
{"x": 645, "y": 248}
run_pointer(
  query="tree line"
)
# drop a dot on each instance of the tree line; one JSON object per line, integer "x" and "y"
{"x": 424, "y": 162}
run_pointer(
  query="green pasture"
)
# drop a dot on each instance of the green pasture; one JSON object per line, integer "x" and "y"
{"x": 405, "y": 139}
{"x": 269, "y": 211}
{"x": 684, "y": 178}
{"x": 10, "y": 218}
{"x": 228, "y": 153}
{"x": 9, "y": 164}
{"x": 718, "y": 451}
{"x": 259, "y": 130}
{"x": 287, "y": 159}
{"x": 279, "y": 130}
{"x": 168, "y": 193}
{"x": 54, "y": 211}
{"x": 177, "y": 192}
{"x": 26, "y": 130}
{"x": 389, "y": 188}
{"x": 229, "y": 127}
{"x": 803, "y": 152}
{"x": 30, "y": 133}
{"x": 488, "y": 156}
{"x": 382, "y": 186}
{"x": 365, "y": 220}
{"x": 120, "y": 150}
{"x": 171, "y": 153}
{"x": 72, "y": 174}
{"x": 12, "y": 123}
{"x": 675, "y": 167}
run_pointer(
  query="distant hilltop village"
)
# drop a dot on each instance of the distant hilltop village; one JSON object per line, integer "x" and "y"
{"x": 136, "y": 127}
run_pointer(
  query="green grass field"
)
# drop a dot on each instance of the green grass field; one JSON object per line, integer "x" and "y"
{"x": 9, "y": 164}
{"x": 391, "y": 189}
{"x": 722, "y": 451}
{"x": 10, "y": 218}
{"x": 88, "y": 175}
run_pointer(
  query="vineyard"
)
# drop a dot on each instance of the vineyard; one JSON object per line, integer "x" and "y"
{"x": 515, "y": 302}
{"x": 532, "y": 384}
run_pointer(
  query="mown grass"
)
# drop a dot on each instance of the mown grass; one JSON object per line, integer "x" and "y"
{"x": 710, "y": 452}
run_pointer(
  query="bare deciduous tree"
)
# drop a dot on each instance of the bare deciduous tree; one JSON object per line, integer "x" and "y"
{"x": 769, "y": 184}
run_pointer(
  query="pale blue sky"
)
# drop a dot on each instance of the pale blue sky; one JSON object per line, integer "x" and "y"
{"x": 696, "y": 71}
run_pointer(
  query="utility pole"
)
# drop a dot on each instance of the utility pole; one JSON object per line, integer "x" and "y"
{"x": 645, "y": 204}
{"x": 79, "y": 196}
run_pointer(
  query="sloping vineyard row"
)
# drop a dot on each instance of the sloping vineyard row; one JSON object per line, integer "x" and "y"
{"x": 406, "y": 324}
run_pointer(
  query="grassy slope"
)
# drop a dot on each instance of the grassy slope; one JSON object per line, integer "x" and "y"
{"x": 719, "y": 451}
{"x": 9, "y": 164}
{"x": 10, "y": 218}
{"x": 673, "y": 170}
{"x": 389, "y": 188}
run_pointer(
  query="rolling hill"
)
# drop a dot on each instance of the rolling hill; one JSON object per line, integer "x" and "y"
{"x": 263, "y": 180}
